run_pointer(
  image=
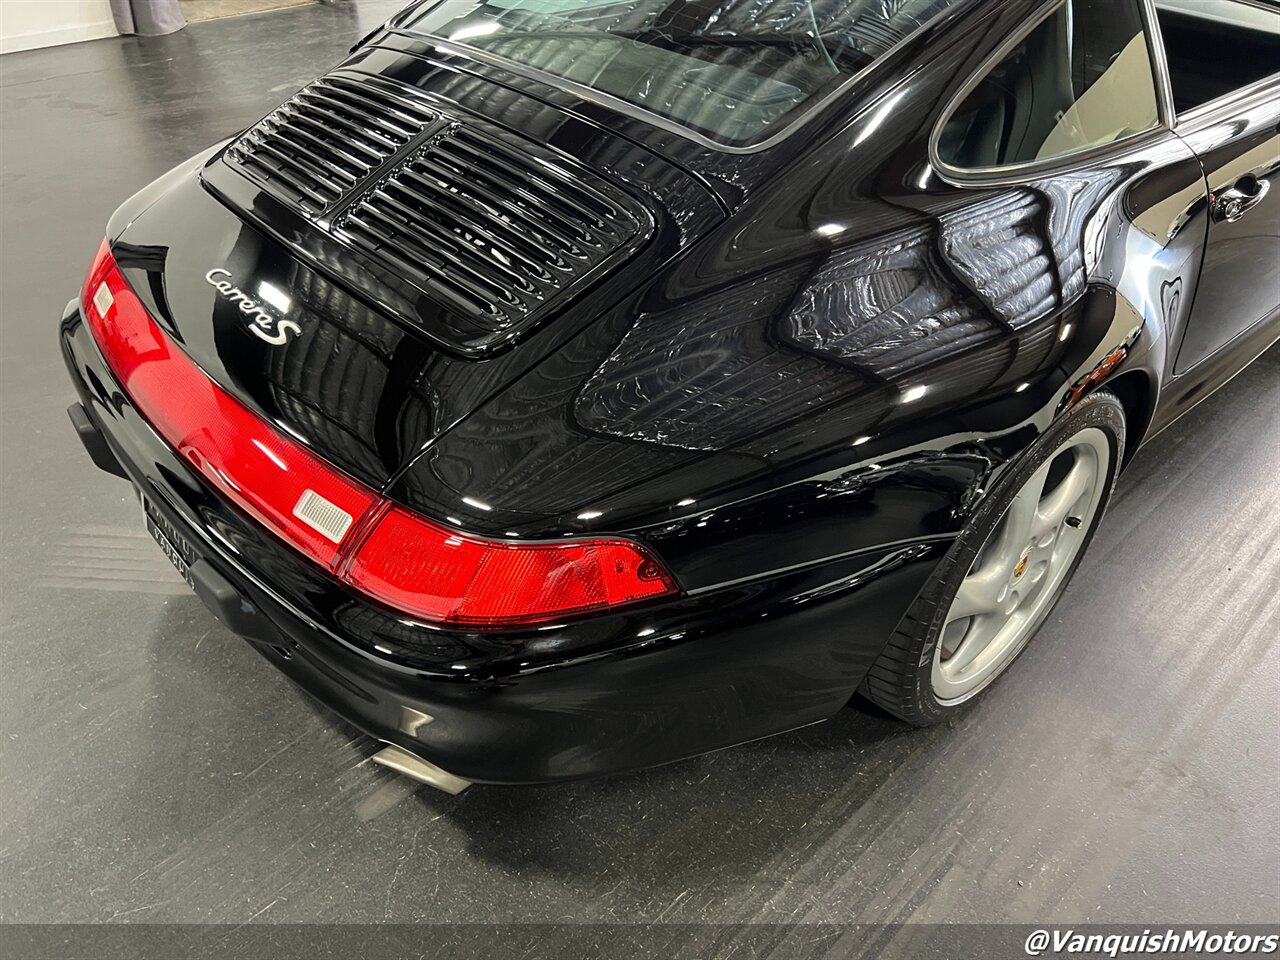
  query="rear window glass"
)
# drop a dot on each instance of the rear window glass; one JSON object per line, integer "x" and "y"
{"x": 734, "y": 71}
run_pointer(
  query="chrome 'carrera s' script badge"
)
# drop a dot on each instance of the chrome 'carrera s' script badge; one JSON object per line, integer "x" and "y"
{"x": 261, "y": 322}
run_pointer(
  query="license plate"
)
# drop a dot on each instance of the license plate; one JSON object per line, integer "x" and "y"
{"x": 170, "y": 542}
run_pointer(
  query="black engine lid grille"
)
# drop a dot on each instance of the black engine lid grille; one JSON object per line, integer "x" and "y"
{"x": 328, "y": 138}
{"x": 492, "y": 227}
{"x": 497, "y": 230}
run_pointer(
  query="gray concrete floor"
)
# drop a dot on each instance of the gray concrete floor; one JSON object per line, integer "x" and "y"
{"x": 157, "y": 769}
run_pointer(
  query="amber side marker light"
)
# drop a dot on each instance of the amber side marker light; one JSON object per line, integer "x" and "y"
{"x": 1081, "y": 387}
{"x": 397, "y": 557}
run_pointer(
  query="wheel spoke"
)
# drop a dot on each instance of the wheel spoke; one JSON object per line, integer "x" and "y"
{"x": 977, "y": 594}
{"x": 1020, "y": 518}
{"x": 971, "y": 647}
{"x": 1053, "y": 510}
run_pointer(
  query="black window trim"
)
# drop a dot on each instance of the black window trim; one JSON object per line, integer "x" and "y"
{"x": 1015, "y": 173}
{"x": 807, "y": 112}
{"x": 1263, "y": 90}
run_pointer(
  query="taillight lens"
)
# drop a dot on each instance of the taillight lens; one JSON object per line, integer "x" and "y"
{"x": 238, "y": 452}
{"x": 444, "y": 575}
{"x": 405, "y": 561}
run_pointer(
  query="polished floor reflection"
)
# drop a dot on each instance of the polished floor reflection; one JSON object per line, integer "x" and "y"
{"x": 156, "y": 769}
{"x": 197, "y": 11}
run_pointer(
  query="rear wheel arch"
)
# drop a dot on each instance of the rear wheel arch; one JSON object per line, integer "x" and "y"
{"x": 901, "y": 680}
{"x": 1135, "y": 389}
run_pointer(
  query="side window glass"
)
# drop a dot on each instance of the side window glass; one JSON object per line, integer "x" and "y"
{"x": 1216, "y": 47}
{"x": 1080, "y": 79}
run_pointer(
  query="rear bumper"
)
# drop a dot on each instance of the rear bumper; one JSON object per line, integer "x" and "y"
{"x": 606, "y": 694}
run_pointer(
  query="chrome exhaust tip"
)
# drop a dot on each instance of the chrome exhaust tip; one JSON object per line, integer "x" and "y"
{"x": 402, "y": 761}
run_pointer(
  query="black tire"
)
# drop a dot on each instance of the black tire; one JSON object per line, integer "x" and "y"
{"x": 900, "y": 681}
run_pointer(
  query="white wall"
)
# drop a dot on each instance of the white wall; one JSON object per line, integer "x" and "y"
{"x": 26, "y": 24}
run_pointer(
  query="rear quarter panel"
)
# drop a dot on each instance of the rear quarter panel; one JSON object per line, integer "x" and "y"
{"x": 849, "y": 359}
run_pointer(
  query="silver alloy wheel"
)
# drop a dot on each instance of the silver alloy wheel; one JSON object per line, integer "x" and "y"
{"x": 1021, "y": 567}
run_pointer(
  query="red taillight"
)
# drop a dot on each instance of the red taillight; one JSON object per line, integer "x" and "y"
{"x": 443, "y": 575}
{"x": 272, "y": 478}
{"x": 406, "y": 561}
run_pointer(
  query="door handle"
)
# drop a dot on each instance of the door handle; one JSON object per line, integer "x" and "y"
{"x": 1232, "y": 204}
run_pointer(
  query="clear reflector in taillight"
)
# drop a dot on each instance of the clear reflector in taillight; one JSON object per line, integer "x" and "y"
{"x": 235, "y": 450}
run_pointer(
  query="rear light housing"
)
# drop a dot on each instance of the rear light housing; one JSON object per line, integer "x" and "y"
{"x": 381, "y": 549}
{"x": 451, "y": 577}
{"x": 235, "y": 450}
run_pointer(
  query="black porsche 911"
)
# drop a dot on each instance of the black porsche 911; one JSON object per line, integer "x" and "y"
{"x": 559, "y": 387}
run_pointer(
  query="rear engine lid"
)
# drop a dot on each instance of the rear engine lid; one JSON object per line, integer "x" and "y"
{"x": 449, "y": 219}
{"x": 368, "y": 264}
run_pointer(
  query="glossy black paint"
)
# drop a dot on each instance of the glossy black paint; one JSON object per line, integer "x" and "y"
{"x": 561, "y": 701}
{"x": 1238, "y": 285}
{"x": 799, "y": 476}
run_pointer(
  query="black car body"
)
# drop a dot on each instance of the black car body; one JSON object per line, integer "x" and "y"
{"x": 787, "y": 363}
